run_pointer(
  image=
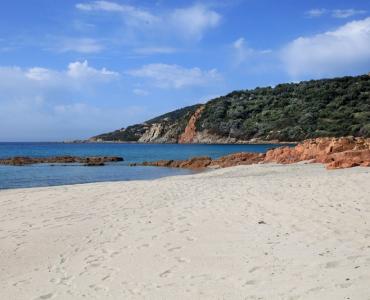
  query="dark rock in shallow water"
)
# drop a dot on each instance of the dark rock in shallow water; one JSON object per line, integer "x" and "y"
{"x": 87, "y": 161}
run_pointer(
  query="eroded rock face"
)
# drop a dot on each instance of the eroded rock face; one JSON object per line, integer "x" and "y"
{"x": 190, "y": 130}
{"x": 333, "y": 152}
{"x": 88, "y": 161}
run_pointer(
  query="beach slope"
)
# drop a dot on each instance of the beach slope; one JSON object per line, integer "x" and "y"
{"x": 249, "y": 232}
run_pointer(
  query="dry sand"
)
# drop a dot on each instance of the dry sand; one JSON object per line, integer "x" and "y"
{"x": 249, "y": 232}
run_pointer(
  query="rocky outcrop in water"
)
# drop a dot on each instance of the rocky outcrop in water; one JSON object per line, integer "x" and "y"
{"x": 204, "y": 162}
{"x": 192, "y": 163}
{"x": 334, "y": 153}
{"x": 87, "y": 161}
{"x": 238, "y": 159}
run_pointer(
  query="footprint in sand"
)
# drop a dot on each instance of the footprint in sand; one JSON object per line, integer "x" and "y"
{"x": 46, "y": 296}
{"x": 182, "y": 259}
{"x": 174, "y": 249}
{"x": 332, "y": 264}
{"x": 165, "y": 274}
{"x": 254, "y": 269}
{"x": 249, "y": 282}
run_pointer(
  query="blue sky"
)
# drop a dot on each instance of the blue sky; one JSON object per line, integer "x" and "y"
{"x": 72, "y": 69}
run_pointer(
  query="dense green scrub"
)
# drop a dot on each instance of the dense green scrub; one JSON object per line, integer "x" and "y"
{"x": 287, "y": 112}
{"x": 294, "y": 111}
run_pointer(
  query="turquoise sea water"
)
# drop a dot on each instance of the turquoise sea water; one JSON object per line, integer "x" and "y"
{"x": 48, "y": 175}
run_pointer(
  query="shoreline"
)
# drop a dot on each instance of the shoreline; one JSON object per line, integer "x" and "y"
{"x": 260, "y": 231}
{"x": 223, "y": 144}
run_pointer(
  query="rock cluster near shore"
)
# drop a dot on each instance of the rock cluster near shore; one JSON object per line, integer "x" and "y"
{"x": 87, "y": 161}
{"x": 335, "y": 153}
{"x": 207, "y": 162}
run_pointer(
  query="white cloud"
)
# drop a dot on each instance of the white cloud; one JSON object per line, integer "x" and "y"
{"x": 46, "y": 104}
{"x": 190, "y": 22}
{"x": 335, "y": 13}
{"x": 242, "y": 52}
{"x": 128, "y": 10}
{"x": 174, "y": 76}
{"x": 76, "y": 73}
{"x": 140, "y": 92}
{"x": 317, "y": 12}
{"x": 39, "y": 74}
{"x": 193, "y": 21}
{"x": 75, "y": 108}
{"x": 344, "y": 50}
{"x": 82, "y": 45}
{"x": 81, "y": 70}
{"x": 346, "y": 13}
{"x": 155, "y": 50}
{"x": 100, "y": 5}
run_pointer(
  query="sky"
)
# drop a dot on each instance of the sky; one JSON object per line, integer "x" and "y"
{"x": 73, "y": 69}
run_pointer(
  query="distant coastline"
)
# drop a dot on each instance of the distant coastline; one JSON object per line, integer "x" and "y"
{"x": 145, "y": 143}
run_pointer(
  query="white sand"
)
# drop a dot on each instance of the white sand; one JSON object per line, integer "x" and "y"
{"x": 192, "y": 237}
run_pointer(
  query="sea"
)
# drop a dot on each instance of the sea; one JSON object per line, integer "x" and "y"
{"x": 41, "y": 175}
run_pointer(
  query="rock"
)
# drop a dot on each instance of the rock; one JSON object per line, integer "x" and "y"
{"x": 193, "y": 163}
{"x": 190, "y": 130}
{"x": 335, "y": 153}
{"x": 236, "y": 159}
{"x": 204, "y": 162}
{"x": 196, "y": 163}
{"x": 349, "y": 159}
{"x": 94, "y": 161}
{"x": 88, "y": 161}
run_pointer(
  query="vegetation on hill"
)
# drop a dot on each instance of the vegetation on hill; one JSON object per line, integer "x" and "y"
{"x": 288, "y": 112}
{"x": 293, "y": 112}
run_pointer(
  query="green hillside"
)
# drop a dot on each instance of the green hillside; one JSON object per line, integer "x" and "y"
{"x": 287, "y": 112}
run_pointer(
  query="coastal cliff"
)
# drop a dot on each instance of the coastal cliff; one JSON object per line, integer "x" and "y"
{"x": 285, "y": 113}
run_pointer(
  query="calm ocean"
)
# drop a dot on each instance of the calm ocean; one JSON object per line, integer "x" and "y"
{"x": 47, "y": 175}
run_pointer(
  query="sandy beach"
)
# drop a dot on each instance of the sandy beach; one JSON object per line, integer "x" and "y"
{"x": 249, "y": 232}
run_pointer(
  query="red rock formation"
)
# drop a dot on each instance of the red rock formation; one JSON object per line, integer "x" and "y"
{"x": 196, "y": 163}
{"x": 204, "y": 162}
{"x": 333, "y": 152}
{"x": 190, "y": 129}
{"x": 237, "y": 159}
